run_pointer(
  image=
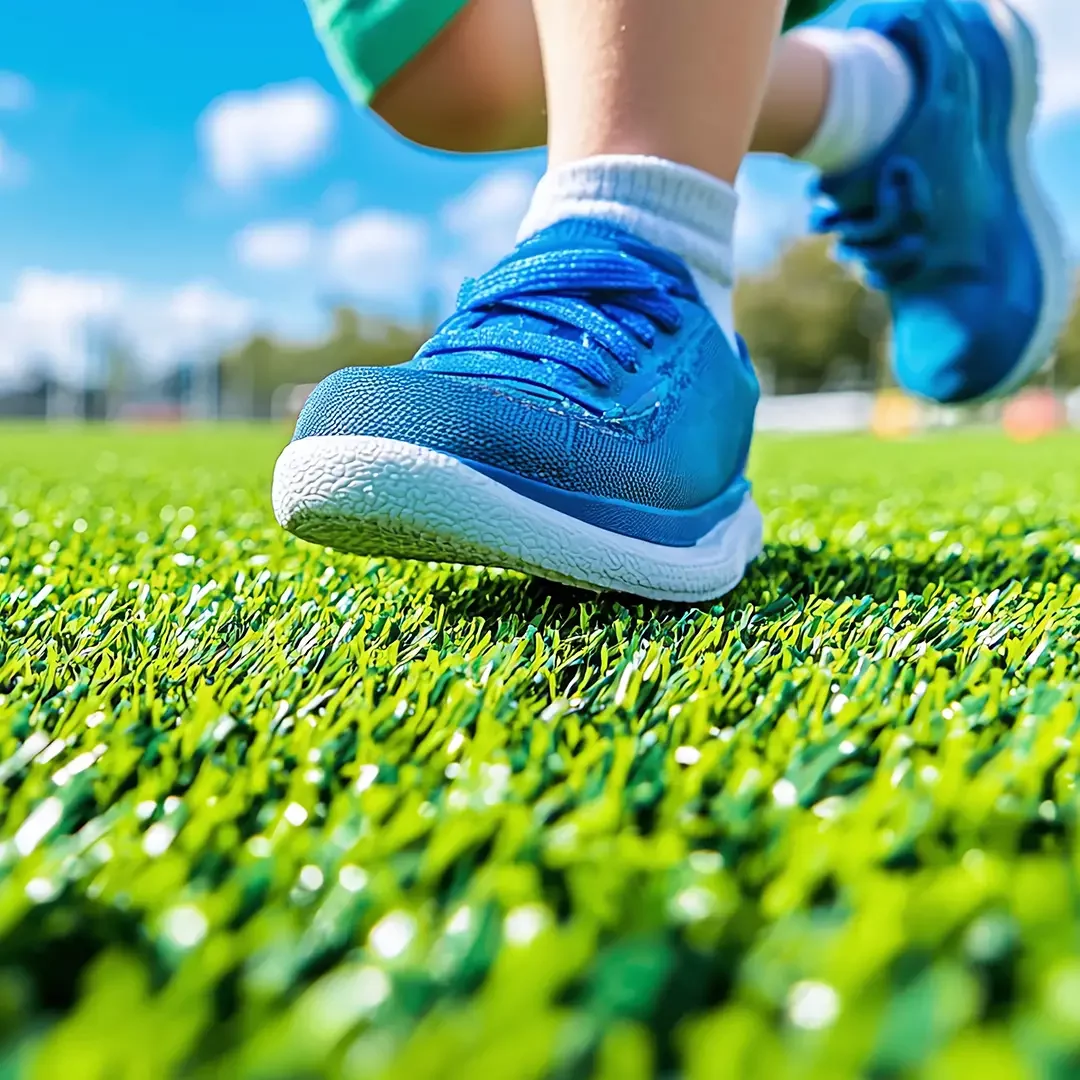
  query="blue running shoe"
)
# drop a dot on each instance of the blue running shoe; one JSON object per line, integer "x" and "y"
{"x": 581, "y": 417}
{"x": 948, "y": 219}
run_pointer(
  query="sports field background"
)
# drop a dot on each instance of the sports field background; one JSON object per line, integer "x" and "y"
{"x": 272, "y": 812}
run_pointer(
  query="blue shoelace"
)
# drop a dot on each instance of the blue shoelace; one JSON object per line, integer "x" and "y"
{"x": 889, "y": 238}
{"x": 590, "y": 308}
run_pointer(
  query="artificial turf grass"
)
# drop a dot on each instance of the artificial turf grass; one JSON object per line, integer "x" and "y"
{"x": 272, "y": 812}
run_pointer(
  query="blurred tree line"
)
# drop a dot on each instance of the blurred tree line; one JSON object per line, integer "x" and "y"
{"x": 811, "y": 325}
{"x": 1067, "y": 365}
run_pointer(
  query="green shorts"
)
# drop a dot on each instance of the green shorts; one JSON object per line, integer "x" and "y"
{"x": 369, "y": 40}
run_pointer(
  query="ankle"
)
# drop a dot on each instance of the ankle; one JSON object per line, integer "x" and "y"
{"x": 870, "y": 91}
{"x": 675, "y": 207}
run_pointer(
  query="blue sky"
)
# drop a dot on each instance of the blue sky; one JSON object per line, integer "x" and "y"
{"x": 186, "y": 170}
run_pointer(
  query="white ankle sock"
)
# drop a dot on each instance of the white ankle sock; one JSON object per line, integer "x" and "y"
{"x": 872, "y": 87}
{"x": 672, "y": 206}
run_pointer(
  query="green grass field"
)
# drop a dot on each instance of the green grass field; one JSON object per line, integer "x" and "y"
{"x": 268, "y": 812}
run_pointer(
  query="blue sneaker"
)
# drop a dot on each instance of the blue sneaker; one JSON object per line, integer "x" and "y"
{"x": 581, "y": 417}
{"x": 948, "y": 219}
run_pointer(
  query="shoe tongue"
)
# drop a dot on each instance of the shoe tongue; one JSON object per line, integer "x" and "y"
{"x": 570, "y": 236}
{"x": 594, "y": 234}
{"x": 575, "y": 236}
{"x": 581, "y": 233}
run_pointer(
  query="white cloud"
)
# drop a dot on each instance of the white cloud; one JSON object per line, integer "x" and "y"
{"x": 249, "y": 136}
{"x": 483, "y": 223}
{"x": 773, "y": 210}
{"x": 46, "y": 322}
{"x": 195, "y": 316}
{"x": 391, "y": 259}
{"x": 486, "y": 218}
{"x": 379, "y": 255}
{"x": 16, "y": 92}
{"x": 45, "y": 296}
{"x": 1057, "y": 26}
{"x": 340, "y": 198}
{"x": 276, "y": 245}
{"x": 51, "y": 318}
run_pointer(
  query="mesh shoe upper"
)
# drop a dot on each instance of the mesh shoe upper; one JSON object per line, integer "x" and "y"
{"x": 585, "y": 366}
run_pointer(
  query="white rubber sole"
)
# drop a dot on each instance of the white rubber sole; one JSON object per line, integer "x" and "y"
{"x": 374, "y": 496}
{"x": 1046, "y": 232}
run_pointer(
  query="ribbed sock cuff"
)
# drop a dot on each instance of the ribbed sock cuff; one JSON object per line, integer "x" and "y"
{"x": 673, "y": 206}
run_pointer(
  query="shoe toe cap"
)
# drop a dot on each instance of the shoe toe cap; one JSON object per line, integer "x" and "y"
{"x": 468, "y": 418}
{"x": 489, "y": 423}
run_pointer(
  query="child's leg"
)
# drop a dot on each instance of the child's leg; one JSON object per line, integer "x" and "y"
{"x": 466, "y": 75}
{"x": 477, "y": 86}
{"x": 638, "y": 77}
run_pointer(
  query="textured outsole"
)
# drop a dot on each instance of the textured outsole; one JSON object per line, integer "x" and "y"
{"x": 381, "y": 497}
{"x": 1046, "y": 232}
